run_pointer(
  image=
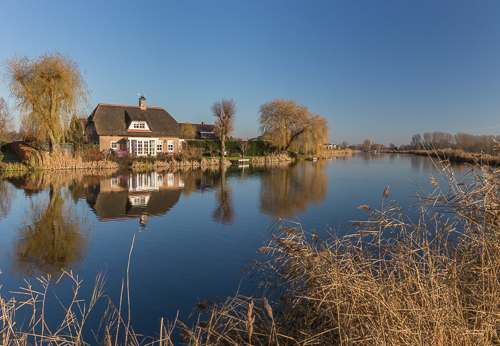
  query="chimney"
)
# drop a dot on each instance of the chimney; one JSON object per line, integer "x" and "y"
{"x": 203, "y": 123}
{"x": 142, "y": 102}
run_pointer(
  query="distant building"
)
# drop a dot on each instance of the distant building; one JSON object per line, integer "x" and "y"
{"x": 329, "y": 146}
{"x": 138, "y": 130}
{"x": 203, "y": 131}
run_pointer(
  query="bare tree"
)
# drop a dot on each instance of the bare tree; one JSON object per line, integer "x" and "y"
{"x": 188, "y": 130}
{"x": 344, "y": 145}
{"x": 6, "y": 120}
{"x": 244, "y": 146}
{"x": 210, "y": 146}
{"x": 291, "y": 126}
{"x": 48, "y": 90}
{"x": 224, "y": 111}
{"x": 367, "y": 145}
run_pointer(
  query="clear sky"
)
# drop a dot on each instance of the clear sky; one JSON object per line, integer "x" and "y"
{"x": 382, "y": 70}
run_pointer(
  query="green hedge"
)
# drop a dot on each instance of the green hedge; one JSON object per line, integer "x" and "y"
{"x": 257, "y": 148}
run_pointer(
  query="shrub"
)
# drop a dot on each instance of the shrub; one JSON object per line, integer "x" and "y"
{"x": 90, "y": 154}
{"x": 181, "y": 157}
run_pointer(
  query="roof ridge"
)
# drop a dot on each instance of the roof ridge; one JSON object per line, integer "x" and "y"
{"x": 110, "y": 104}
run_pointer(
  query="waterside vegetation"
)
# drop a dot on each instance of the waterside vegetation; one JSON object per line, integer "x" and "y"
{"x": 395, "y": 279}
{"x": 27, "y": 157}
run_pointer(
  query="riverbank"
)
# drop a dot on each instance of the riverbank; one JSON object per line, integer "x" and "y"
{"x": 30, "y": 159}
{"x": 452, "y": 155}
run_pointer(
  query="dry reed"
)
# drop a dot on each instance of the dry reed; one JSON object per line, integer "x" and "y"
{"x": 397, "y": 279}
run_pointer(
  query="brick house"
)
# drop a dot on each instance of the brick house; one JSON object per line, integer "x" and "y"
{"x": 138, "y": 130}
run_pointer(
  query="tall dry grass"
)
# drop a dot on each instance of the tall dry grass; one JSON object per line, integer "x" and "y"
{"x": 432, "y": 279}
{"x": 429, "y": 277}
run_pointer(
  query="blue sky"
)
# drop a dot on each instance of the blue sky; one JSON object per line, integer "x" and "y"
{"x": 382, "y": 70}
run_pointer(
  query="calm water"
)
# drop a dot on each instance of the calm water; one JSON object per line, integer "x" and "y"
{"x": 202, "y": 226}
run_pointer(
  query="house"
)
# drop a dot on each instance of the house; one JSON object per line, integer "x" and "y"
{"x": 203, "y": 131}
{"x": 329, "y": 146}
{"x": 138, "y": 130}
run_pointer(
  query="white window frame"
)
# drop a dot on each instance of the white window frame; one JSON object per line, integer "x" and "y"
{"x": 159, "y": 146}
{"x": 115, "y": 143}
{"x": 139, "y": 125}
{"x": 170, "y": 145}
{"x": 143, "y": 143}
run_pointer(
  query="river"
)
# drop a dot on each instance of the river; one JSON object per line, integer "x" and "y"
{"x": 199, "y": 228}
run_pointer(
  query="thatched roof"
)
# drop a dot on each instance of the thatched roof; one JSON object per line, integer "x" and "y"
{"x": 114, "y": 120}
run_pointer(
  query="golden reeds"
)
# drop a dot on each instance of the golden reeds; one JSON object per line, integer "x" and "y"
{"x": 429, "y": 276}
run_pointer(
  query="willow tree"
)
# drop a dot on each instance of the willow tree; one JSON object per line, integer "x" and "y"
{"x": 188, "y": 130}
{"x": 48, "y": 90}
{"x": 224, "y": 111}
{"x": 291, "y": 126}
{"x": 6, "y": 121}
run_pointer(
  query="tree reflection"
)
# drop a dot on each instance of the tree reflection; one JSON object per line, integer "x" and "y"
{"x": 285, "y": 191}
{"x": 224, "y": 209}
{"x": 51, "y": 237}
{"x": 6, "y": 197}
{"x": 200, "y": 180}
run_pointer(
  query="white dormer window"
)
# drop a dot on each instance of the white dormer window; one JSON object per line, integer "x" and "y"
{"x": 139, "y": 125}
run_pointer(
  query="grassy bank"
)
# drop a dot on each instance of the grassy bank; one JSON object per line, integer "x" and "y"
{"x": 460, "y": 156}
{"x": 429, "y": 279}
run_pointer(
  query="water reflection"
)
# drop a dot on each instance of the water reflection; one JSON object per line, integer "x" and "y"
{"x": 200, "y": 180}
{"x": 224, "y": 206}
{"x": 126, "y": 196}
{"x": 288, "y": 190}
{"x": 6, "y": 197}
{"x": 52, "y": 236}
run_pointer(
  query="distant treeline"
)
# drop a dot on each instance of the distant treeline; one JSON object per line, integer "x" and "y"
{"x": 463, "y": 141}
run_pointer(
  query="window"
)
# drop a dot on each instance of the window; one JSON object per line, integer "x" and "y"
{"x": 114, "y": 145}
{"x": 170, "y": 146}
{"x": 159, "y": 146}
{"x": 142, "y": 146}
{"x": 139, "y": 125}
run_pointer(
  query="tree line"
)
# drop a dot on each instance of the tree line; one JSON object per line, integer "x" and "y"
{"x": 460, "y": 141}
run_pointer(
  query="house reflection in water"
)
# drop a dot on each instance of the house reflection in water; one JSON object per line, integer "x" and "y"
{"x": 130, "y": 196}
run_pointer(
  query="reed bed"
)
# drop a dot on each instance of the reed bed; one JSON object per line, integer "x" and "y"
{"x": 458, "y": 155}
{"x": 432, "y": 279}
{"x": 271, "y": 158}
{"x": 428, "y": 277}
{"x": 326, "y": 154}
{"x": 61, "y": 161}
{"x": 8, "y": 167}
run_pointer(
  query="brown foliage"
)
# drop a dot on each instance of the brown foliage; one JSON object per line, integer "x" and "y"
{"x": 224, "y": 111}
{"x": 291, "y": 126}
{"x": 48, "y": 90}
{"x": 6, "y": 120}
